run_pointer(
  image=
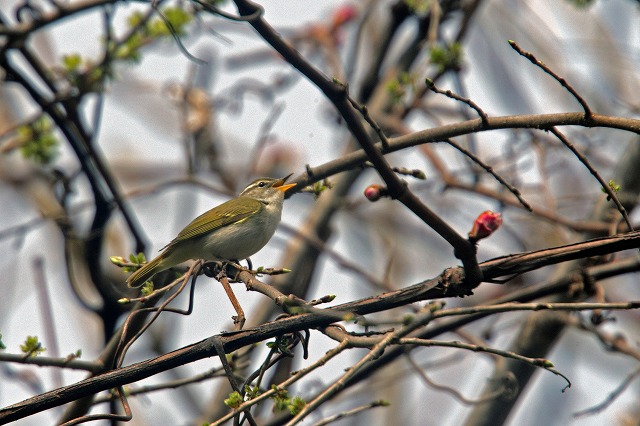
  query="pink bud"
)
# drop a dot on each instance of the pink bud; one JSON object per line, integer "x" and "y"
{"x": 485, "y": 225}
{"x": 375, "y": 192}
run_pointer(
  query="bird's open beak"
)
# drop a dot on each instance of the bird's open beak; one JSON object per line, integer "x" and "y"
{"x": 281, "y": 183}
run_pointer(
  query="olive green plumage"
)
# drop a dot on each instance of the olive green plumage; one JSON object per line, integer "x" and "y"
{"x": 234, "y": 230}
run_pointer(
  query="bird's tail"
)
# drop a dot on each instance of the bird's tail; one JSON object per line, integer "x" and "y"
{"x": 143, "y": 274}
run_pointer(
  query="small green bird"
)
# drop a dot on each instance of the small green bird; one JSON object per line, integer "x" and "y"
{"x": 234, "y": 230}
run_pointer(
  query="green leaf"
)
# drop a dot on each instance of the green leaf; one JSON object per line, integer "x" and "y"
{"x": 135, "y": 19}
{"x": 2, "y": 345}
{"x": 38, "y": 141}
{"x": 251, "y": 392}
{"x": 280, "y": 402}
{"x": 147, "y": 288}
{"x": 139, "y": 258}
{"x": 447, "y": 57}
{"x": 32, "y": 346}
{"x": 130, "y": 49}
{"x": 72, "y": 62}
{"x": 234, "y": 400}
{"x": 178, "y": 17}
{"x": 419, "y": 7}
{"x": 296, "y": 405}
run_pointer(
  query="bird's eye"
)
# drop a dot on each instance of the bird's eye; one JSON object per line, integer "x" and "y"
{"x": 261, "y": 184}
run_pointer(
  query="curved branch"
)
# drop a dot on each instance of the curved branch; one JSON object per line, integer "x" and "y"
{"x": 442, "y": 133}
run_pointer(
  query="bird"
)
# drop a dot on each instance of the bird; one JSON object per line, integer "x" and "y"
{"x": 232, "y": 231}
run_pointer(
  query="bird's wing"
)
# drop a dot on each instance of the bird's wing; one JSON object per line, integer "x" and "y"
{"x": 227, "y": 213}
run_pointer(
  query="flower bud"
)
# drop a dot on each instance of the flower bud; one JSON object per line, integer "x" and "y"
{"x": 375, "y": 192}
{"x": 485, "y": 225}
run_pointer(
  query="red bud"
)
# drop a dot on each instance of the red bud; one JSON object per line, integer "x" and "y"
{"x": 375, "y": 192}
{"x": 485, "y": 225}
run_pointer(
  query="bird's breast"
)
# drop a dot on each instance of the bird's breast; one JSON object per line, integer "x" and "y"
{"x": 242, "y": 239}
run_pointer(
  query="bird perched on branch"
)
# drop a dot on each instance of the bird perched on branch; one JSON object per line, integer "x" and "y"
{"x": 234, "y": 230}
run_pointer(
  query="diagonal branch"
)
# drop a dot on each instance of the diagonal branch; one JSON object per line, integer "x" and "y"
{"x": 337, "y": 93}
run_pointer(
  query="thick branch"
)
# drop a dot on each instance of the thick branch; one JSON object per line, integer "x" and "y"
{"x": 232, "y": 341}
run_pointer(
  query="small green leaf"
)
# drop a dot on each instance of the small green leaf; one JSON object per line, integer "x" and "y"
{"x": 178, "y": 17}
{"x": 135, "y": 19}
{"x": 72, "y": 62}
{"x": 418, "y": 7}
{"x": 251, "y": 392}
{"x": 280, "y": 400}
{"x": 296, "y": 405}
{"x": 130, "y": 49}
{"x": 32, "y": 346}
{"x": 2, "y": 345}
{"x": 234, "y": 400}
{"x": 38, "y": 141}
{"x": 138, "y": 259}
{"x": 447, "y": 57}
{"x": 147, "y": 288}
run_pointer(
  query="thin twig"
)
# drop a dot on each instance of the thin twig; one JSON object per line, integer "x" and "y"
{"x": 588, "y": 114}
{"x": 605, "y": 186}
{"x": 450, "y": 94}
{"x": 352, "y": 412}
{"x": 176, "y": 37}
{"x": 124, "y": 347}
{"x": 376, "y": 351}
{"x": 70, "y": 362}
{"x": 611, "y": 397}
{"x": 362, "y": 109}
{"x": 128, "y": 414}
{"x": 212, "y": 373}
{"x": 44, "y": 301}
{"x": 535, "y": 362}
{"x": 287, "y": 383}
{"x": 510, "y": 307}
{"x": 451, "y": 391}
{"x": 515, "y": 191}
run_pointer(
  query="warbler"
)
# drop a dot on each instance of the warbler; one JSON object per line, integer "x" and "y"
{"x": 234, "y": 230}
